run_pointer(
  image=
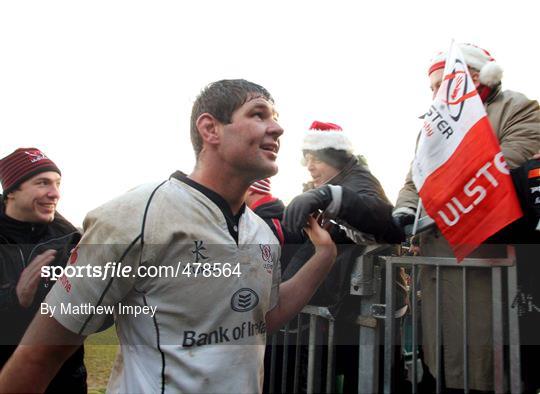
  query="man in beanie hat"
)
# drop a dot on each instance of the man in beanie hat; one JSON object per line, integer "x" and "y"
{"x": 225, "y": 293}
{"x": 32, "y": 235}
{"x": 516, "y": 122}
{"x": 343, "y": 188}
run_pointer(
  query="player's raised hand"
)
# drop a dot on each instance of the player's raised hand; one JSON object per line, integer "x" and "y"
{"x": 320, "y": 238}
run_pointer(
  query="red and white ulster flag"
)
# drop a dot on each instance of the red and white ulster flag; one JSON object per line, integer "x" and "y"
{"x": 459, "y": 170}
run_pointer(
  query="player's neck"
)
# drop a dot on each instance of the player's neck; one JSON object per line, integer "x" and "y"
{"x": 228, "y": 186}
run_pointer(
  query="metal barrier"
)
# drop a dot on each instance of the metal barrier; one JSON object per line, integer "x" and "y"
{"x": 317, "y": 345}
{"x": 373, "y": 281}
{"x": 500, "y": 297}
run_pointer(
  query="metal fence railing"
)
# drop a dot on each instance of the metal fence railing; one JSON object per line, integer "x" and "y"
{"x": 505, "y": 327}
{"x": 379, "y": 329}
{"x": 305, "y": 337}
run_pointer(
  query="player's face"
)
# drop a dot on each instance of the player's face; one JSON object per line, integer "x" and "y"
{"x": 320, "y": 171}
{"x": 250, "y": 143}
{"x": 35, "y": 200}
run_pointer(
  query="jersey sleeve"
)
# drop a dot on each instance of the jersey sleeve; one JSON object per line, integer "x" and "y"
{"x": 101, "y": 270}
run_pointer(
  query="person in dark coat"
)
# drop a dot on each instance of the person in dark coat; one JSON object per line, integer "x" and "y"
{"x": 32, "y": 235}
{"x": 351, "y": 203}
{"x": 352, "y": 199}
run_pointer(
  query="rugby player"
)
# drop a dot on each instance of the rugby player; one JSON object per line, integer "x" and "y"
{"x": 212, "y": 316}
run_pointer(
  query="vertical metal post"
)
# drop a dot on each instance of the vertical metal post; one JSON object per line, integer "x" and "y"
{"x": 389, "y": 329}
{"x": 369, "y": 340}
{"x": 296, "y": 381}
{"x": 465, "y": 334}
{"x": 513, "y": 331}
{"x": 330, "y": 367}
{"x": 438, "y": 334}
{"x": 497, "y": 329}
{"x": 414, "y": 329}
{"x": 311, "y": 353}
{"x": 273, "y": 363}
{"x": 285, "y": 359}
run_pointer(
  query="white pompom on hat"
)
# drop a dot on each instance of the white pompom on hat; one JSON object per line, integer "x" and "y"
{"x": 475, "y": 57}
{"x": 323, "y": 135}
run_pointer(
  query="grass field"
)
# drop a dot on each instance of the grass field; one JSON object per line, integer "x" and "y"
{"x": 100, "y": 352}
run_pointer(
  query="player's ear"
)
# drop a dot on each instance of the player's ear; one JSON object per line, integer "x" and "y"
{"x": 208, "y": 127}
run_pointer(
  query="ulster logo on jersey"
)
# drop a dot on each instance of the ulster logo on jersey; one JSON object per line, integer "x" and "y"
{"x": 244, "y": 300}
{"x": 267, "y": 257}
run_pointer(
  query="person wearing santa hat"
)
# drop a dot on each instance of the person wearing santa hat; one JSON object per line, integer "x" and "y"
{"x": 342, "y": 186}
{"x": 516, "y": 122}
{"x": 345, "y": 191}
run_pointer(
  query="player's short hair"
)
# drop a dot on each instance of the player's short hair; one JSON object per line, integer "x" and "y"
{"x": 220, "y": 99}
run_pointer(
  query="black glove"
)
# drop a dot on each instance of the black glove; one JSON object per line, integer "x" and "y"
{"x": 403, "y": 219}
{"x": 297, "y": 212}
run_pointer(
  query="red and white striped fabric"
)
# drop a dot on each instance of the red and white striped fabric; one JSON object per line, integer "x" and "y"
{"x": 459, "y": 170}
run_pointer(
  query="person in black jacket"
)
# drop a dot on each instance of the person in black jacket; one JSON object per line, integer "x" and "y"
{"x": 342, "y": 186}
{"x": 352, "y": 204}
{"x": 32, "y": 235}
{"x": 346, "y": 192}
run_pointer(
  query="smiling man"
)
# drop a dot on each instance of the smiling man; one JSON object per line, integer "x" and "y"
{"x": 209, "y": 329}
{"x": 31, "y": 236}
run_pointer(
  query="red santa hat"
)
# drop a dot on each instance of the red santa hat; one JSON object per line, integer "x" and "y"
{"x": 326, "y": 135}
{"x": 475, "y": 57}
{"x": 262, "y": 187}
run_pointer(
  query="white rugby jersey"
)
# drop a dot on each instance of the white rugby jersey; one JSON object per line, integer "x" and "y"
{"x": 208, "y": 333}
